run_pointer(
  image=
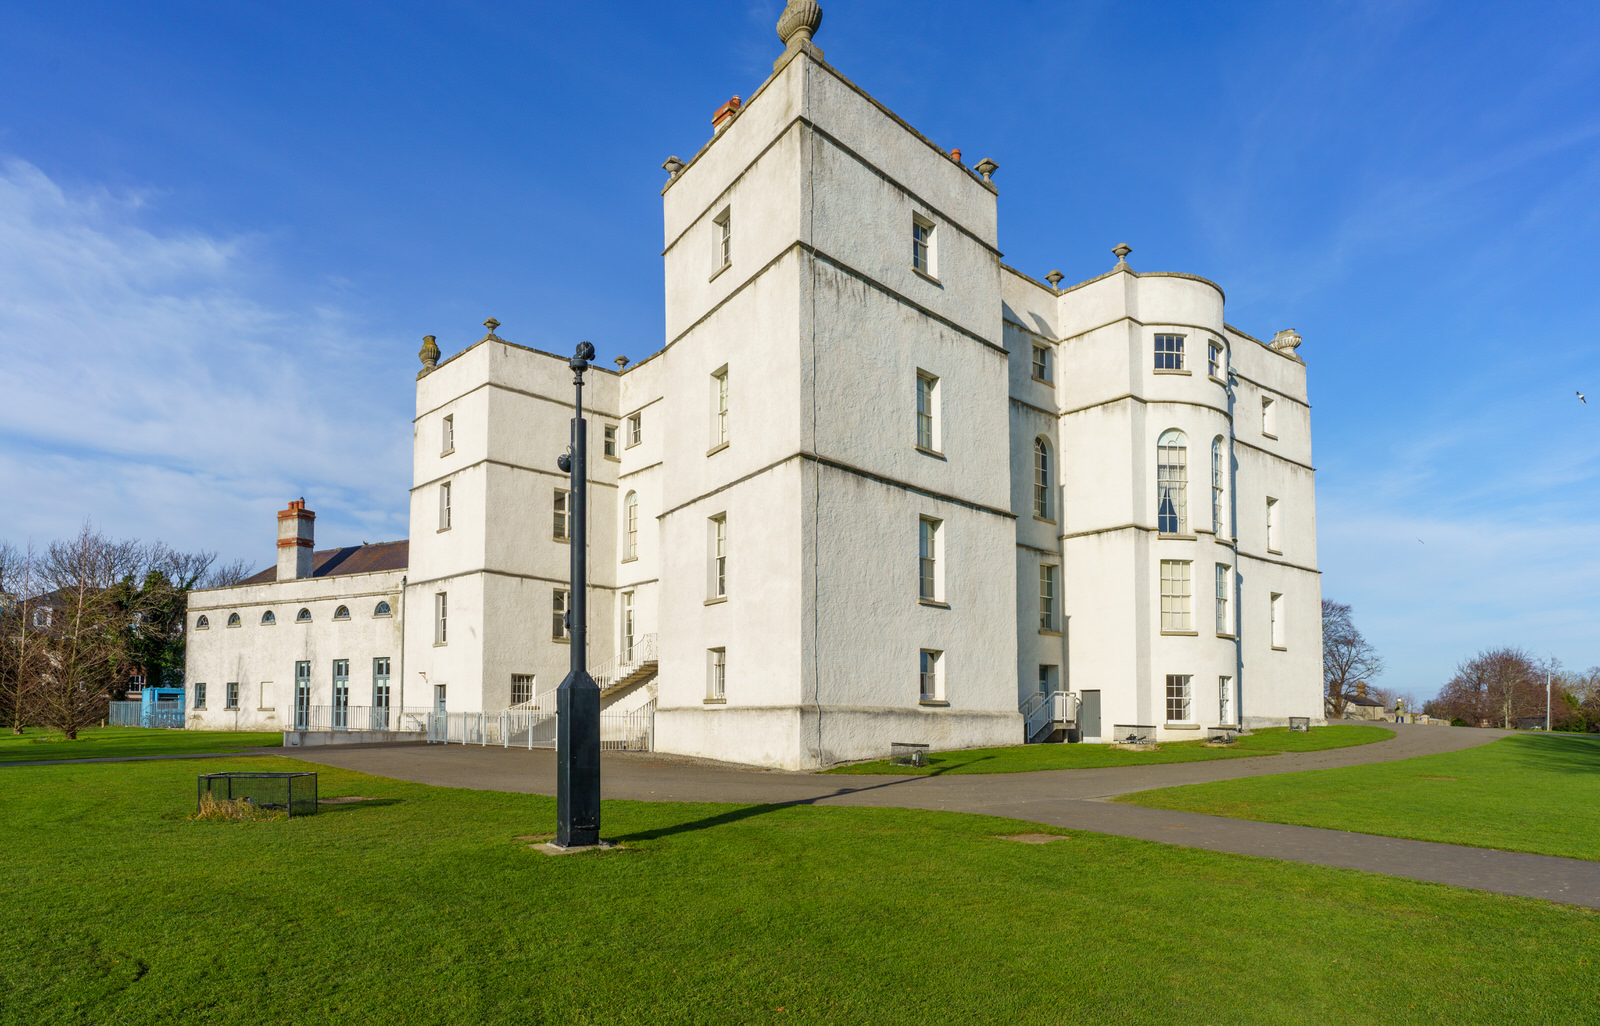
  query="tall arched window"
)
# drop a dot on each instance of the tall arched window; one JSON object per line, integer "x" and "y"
{"x": 1216, "y": 485}
{"x": 630, "y": 526}
{"x": 1041, "y": 479}
{"x": 1172, "y": 483}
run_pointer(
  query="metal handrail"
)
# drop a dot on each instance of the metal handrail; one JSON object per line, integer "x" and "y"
{"x": 644, "y": 650}
{"x": 362, "y": 718}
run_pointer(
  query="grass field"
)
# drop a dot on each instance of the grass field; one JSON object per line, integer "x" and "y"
{"x": 423, "y": 906}
{"x": 1531, "y": 792}
{"x": 39, "y": 745}
{"x": 1027, "y": 758}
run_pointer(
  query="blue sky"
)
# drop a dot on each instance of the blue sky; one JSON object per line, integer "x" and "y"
{"x": 224, "y": 229}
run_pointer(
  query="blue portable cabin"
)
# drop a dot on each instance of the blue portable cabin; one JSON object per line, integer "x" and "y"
{"x": 161, "y": 707}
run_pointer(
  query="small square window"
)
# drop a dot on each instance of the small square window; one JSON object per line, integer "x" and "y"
{"x": 521, "y": 688}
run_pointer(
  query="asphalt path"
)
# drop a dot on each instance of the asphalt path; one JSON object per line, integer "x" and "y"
{"x": 1063, "y": 798}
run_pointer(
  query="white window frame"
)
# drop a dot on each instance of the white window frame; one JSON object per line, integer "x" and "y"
{"x": 627, "y": 623}
{"x": 447, "y": 439}
{"x": 230, "y": 698}
{"x": 719, "y": 408}
{"x": 1180, "y": 697}
{"x": 560, "y": 602}
{"x": 1224, "y": 587}
{"x": 1218, "y": 488}
{"x": 1273, "y": 541}
{"x": 930, "y": 564}
{"x": 1047, "y": 598}
{"x": 1177, "y": 589}
{"x": 608, "y": 441}
{"x": 928, "y": 411}
{"x": 444, "y": 505}
{"x": 931, "y": 676}
{"x": 924, "y": 246}
{"x": 1275, "y": 613}
{"x": 630, "y": 526}
{"x": 635, "y": 429}
{"x": 1169, "y": 352}
{"x": 1041, "y": 478}
{"x": 717, "y": 556}
{"x": 441, "y": 618}
{"x": 1041, "y": 362}
{"x": 199, "y": 695}
{"x": 1172, "y": 482}
{"x": 1269, "y": 417}
{"x": 523, "y": 683}
{"x": 716, "y": 674}
{"x": 1215, "y": 365}
{"x": 722, "y": 241}
{"x": 561, "y": 516}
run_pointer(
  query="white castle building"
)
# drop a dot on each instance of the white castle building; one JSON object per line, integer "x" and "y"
{"x": 876, "y": 487}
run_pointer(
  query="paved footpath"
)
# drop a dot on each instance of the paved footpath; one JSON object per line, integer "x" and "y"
{"x": 1063, "y": 798}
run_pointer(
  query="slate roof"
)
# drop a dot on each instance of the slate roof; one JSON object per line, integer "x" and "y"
{"x": 352, "y": 559}
{"x": 1363, "y": 701}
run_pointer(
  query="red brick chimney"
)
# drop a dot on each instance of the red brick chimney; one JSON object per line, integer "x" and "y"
{"x": 295, "y": 541}
{"x": 725, "y": 114}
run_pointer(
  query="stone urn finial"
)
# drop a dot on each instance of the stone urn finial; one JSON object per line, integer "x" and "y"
{"x": 1054, "y": 278}
{"x": 1122, "y": 250}
{"x": 492, "y": 324}
{"x": 1286, "y": 341}
{"x": 621, "y": 362}
{"x": 429, "y": 354}
{"x": 799, "y": 22}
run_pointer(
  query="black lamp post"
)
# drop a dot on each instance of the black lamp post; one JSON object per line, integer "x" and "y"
{"x": 578, "y": 699}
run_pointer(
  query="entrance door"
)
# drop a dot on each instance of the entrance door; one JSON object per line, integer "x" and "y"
{"x": 1089, "y": 713}
{"x": 302, "y": 705}
{"x": 438, "y": 699}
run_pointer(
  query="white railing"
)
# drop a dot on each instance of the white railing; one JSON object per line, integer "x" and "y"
{"x": 1047, "y": 707}
{"x": 360, "y": 718}
{"x": 523, "y": 727}
{"x": 642, "y": 651}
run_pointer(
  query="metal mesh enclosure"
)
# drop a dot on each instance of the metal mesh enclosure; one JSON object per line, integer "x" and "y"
{"x": 903, "y": 753}
{"x": 294, "y": 793}
{"x": 1300, "y": 723}
{"x": 1133, "y": 734}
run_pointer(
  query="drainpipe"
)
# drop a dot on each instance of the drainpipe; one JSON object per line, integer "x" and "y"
{"x": 402, "y": 673}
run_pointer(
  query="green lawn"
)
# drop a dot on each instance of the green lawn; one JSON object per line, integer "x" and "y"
{"x": 1027, "y": 758}
{"x": 39, "y": 745}
{"x": 423, "y": 907}
{"x": 1531, "y": 792}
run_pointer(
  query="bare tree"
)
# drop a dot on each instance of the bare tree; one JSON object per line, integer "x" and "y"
{"x": 86, "y": 633}
{"x": 1501, "y": 684}
{"x": 228, "y": 574}
{"x": 19, "y": 649}
{"x": 1348, "y": 659}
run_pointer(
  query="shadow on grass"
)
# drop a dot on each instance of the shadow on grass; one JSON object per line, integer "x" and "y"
{"x": 370, "y": 803}
{"x": 1553, "y": 752}
{"x": 736, "y": 815}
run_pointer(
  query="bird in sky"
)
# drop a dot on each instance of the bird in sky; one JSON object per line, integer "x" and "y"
{"x": 1582, "y": 400}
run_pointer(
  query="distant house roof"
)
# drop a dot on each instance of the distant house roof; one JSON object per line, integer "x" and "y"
{"x": 1364, "y": 701}
{"x": 353, "y": 559}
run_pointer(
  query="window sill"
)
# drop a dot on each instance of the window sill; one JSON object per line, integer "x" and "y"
{"x": 1269, "y": 434}
{"x": 1182, "y": 371}
{"x": 269, "y": 708}
{"x": 558, "y": 538}
{"x": 933, "y": 603}
{"x": 1227, "y": 637}
{"x": 920, "y": 273}
{"x": 628, "y": 559}
{"x": 1044, "y": 520}
{"x": 230, "y": 708}
{"x": 1280, "y": 648}
{"x": 716, "y": 448}
{"x": 719, "y": 600}
{"x": 613, "y": 459}
{"x": 232, "y": 625}
{"x": 719, "y": 271}
{"x": 1273, "y": 551}
{"x": 1221, "y": 381}
{"x": 1043, "y": 381}
{"x": 1180, "y": 634}
{"x": 713, "y": 701}
{"x": 448, "y": 452}
{"x": 441, "y": 644}
{"x": 1177, "y": 537}
{"x": 1049, "y": 634}
{"x": 441, "y": 530}
{"x": 933, "y": 703}
{"x": 936, "y": 454}
{"x": 1171, "y": 725}
{"x": 561, "y": 641}
{"x": 631, "y": 445}
{"x": 199, "y": 708}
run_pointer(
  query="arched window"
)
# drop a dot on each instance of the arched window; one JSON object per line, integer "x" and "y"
{"x": 1041, "y": 478}
{"x": 1217, "y": 457}
{"x": 630, "y": 526}
{"x": 304, "y": 616}
{"x": 1172, "y": 483}
{"x": 202, "y": 623}
{"x": 233, "y": 620}
{"x": 342, "y": 613}
{"x": 268, "y": 618}
{"x": 382, "y": 610}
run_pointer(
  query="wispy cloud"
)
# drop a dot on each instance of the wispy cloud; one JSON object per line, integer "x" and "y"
{"x": 151, "y": 383}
